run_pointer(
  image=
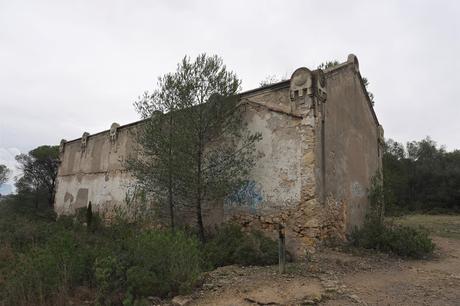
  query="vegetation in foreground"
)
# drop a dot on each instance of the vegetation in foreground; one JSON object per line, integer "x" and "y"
{"x": 51, "y": 262}
{"x": 384, "y": 236}
{"x": 447, "y": 226}
{"x": 396, "y": 239}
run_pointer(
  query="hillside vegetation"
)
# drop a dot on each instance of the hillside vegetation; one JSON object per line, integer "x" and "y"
{"x": 421, "y": 177}
{"x": 49, "y": 261}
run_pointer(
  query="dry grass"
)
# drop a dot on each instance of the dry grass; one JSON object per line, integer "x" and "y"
{"x": 447, "y": 226}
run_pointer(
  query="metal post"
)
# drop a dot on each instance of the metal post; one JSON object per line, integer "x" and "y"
{"x": 281, "y": 249}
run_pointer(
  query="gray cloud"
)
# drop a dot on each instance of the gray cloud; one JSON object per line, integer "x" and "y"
{"x": 74, "y": 66}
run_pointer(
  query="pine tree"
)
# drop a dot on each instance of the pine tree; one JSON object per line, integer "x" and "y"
{"x": 194, "y": 148}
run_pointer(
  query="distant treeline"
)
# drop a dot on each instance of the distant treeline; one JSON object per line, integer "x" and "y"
{"x": 421, "y": 176}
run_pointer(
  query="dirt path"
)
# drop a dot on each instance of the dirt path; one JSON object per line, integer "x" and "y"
{"x": 336, "y": 278}
{"x": 434, "y": 282}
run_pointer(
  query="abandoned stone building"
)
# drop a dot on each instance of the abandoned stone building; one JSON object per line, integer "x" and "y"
{"x": 322, "y": 144}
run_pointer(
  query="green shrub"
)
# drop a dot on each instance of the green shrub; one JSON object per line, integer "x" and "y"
{"x": 141, "y": 281}
{"x": 119, "y": 261}
{"x": 22, "y": 233}
{"x": 411, "y": 242}
{"x": 230, "y": 245}
{"x": 42, "y": 273}
{"x": 163, "y": 263}
{"x": 379, "y": 235}
{"x": 44, "y": 260}
{"x": 108, "y": 273}
{"x": 400, "y": 240}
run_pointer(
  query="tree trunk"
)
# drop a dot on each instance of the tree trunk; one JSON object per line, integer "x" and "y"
{"x": 281, "y": 249}
{"x": 36, "y": 199}
{"x": 171, "y": 204}
{"x": 51, "y": 199}
{"x": 199, "y": 214}
{"x": 51, "y": 193}
{"x": 170, "y": 179}
{"x": 199, "y": 217}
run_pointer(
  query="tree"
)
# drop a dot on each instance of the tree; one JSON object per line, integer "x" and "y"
{"x": 421, "y": 176}
{"x": 194, "y": 148}
{"x": 39, "y": 171}
{"x": 4, "y": 174}
{"x": 157, "y": 166}
{"x": 271, "y": 79}
{"x": 328, "y": 64}
{"x": 370, "y": 94}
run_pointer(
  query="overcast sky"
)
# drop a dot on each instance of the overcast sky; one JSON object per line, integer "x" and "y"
{"x": 72, "y": 66}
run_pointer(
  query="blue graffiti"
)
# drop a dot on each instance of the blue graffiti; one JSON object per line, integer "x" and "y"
{"x": 248, "y": 195}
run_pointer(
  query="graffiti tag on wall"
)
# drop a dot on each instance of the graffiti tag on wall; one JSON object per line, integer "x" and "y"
{"x": 248, "y": 195}
{"x": 357, "y": 190}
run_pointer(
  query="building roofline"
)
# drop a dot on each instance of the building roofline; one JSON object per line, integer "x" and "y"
{"x": 369, "y": 102}
{"x": 105, "y": 131}
{"x": 274, "y": 86}
{"x": 277, "y": 85}
{"x": 353, "y": 60}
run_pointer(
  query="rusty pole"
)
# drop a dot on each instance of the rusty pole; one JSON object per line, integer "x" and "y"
{"x": 281, "y": 249}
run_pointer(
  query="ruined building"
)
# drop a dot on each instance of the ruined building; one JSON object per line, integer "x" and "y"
{"x": 322, "y": 144}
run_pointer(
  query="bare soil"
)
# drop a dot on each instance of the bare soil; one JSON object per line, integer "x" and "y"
{"x": 335, "y": 277}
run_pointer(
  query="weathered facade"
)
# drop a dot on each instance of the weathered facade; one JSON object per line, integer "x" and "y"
{"x": 321, "y": 146}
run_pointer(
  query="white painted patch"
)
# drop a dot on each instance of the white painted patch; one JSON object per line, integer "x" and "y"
{"x": 357, "y": 190}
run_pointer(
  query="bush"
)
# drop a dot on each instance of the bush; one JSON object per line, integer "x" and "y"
{"x": 43, "y": 261}
{"x": 400, "y": 240}
{"x": 230, "y": 245}
{"x": 411, "y": 242}
{"x": 379, "y": 235}
{"x": 44, "y": 272}
{"x": 154, "y": 262}
{"x": 108, "y": 273}
{"x": 163, "y": 263}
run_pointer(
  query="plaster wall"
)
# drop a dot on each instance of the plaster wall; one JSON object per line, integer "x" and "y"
{"x": 95, "y": 173}
{"x": 285, "y": 171}
{"x": 274, "y": 182}
{"x": 350, "y": 148}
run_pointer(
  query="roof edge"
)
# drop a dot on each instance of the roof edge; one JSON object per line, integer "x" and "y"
{"x": 277, "y": 85}
{"x": 108, "y": 130}
{"x": 274, "y": 86}
{"x": 353, "y": 60}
